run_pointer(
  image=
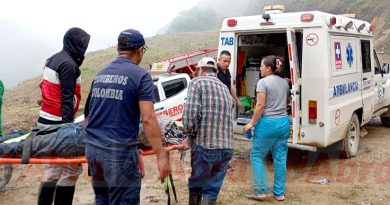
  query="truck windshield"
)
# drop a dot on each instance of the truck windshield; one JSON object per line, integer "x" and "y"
{"x": 156, "y": 96}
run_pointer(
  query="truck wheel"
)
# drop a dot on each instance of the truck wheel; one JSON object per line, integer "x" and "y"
{"x": 385, "y": 121}
{"x": 5, "y": 174}
{"x": 352, "y": 138}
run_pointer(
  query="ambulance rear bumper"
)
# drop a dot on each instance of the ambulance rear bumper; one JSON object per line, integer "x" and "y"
{"x": 302, "y": 147}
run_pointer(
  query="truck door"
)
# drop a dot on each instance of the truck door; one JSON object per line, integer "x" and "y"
{"x": 379, "y": 82}
{"x": 158, "y": 96}
{"x": 367, "y": 81}
{"x": 295, "y": 90}
{"x": 175, "y": 93}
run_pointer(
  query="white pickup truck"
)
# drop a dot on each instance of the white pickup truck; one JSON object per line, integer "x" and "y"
{"x": 170, "y": 92}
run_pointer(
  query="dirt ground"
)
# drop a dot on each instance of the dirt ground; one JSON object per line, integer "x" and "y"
{"x": 365, "y": 179}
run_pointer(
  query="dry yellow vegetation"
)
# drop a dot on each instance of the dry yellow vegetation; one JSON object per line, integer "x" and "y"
{"x": 20, "y": 110}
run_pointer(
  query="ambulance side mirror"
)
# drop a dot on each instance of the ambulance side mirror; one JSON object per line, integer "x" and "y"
{"x": 385, "y": 69}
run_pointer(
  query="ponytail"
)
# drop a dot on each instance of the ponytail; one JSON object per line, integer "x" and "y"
{"x": 276, "y": 64}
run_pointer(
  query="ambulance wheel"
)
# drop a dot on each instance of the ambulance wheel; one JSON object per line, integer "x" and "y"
{"x": 385, "y": 121}
{"x": 5, "y": 174}
{"x": 352, "y": 138}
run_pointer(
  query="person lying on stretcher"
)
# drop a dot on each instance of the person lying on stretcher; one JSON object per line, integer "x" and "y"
{"x": 67, "y": 141}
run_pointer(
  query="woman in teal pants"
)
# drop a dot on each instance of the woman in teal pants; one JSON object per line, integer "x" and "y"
{"x": 272, "y": 130}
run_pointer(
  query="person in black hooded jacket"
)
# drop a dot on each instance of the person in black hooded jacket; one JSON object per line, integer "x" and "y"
{"x": 61, "y": 96}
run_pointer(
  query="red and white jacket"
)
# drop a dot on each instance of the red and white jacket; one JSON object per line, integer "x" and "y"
{"x": 60, "y": 86}
{"x": 52, "y": 96}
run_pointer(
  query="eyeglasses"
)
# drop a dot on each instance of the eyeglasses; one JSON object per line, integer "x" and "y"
{"x": 143, "y": 49}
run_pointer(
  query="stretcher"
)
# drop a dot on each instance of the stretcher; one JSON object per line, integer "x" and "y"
{"x": 31, "y": 148}
{"x": 76, "y": 160}
{"x": 6, "y": 168}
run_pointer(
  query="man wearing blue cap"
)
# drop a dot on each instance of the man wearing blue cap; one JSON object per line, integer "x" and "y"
{"x": 120, "y": 94}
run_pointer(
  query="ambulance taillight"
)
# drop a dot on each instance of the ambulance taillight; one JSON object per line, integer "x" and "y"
{"x": 232, "y": 22}
{"x": 312, "y": 111}
{"x": 331, "y": 21}
{"x": 307, "y": 17}
{"x": 372, "y": 28}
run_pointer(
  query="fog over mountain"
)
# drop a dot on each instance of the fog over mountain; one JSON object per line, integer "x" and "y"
{"x": 31, "y": 31}
{"x": 17, "y": 62}
{"x": 229, "y": 7}
{"x": 373, "y": 11}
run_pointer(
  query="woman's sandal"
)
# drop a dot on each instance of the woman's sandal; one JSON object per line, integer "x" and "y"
{"x": 260, "y": 197}
{"x": 280, "y": 198}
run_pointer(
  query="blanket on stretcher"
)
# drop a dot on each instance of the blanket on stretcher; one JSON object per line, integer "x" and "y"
{"x": 66, "y": 141}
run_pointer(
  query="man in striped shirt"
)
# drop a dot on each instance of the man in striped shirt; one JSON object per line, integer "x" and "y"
{"x": 208, "y": 119}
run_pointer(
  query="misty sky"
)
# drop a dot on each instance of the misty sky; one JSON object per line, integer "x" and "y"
{"x": 31, "y": 31}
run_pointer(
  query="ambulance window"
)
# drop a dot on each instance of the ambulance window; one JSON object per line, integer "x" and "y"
{"x": 377, "y": 64}
{"x": 156, "y": 96}
{"x": 366, "y": 56}
{"x": 173, "y": 87}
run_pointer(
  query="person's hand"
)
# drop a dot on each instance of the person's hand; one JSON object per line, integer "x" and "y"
{"x": 163, "y": 165}
{"x": 248, "y": 126}
{"x": 186, "y": 143}
{"x": 141, "y": 164}
{"x": 39, "y": 102}
{"x": 239, "y": 104}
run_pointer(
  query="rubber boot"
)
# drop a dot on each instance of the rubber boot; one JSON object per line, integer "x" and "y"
{"x": 195, "y": 199}
{"x": 46, "y": 193}
{"x": 64, "y": 195}
{"x": 208, "y": 202}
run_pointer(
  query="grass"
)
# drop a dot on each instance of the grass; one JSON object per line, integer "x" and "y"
{"x": 20, "y": 110}
{"x": 21, "y": 100}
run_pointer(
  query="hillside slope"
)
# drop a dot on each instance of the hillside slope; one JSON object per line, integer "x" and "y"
{"x": 373, "y": 11}
{"x": 20, "y": 110}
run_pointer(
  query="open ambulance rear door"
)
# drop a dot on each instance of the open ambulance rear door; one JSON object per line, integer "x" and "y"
{"x": 295, "y": 81}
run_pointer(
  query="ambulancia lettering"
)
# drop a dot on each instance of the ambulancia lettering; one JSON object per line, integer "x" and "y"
{"x": 346, "y": 88}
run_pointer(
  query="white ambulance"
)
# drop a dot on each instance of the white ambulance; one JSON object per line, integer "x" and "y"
{"x": 337, "y": 81}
